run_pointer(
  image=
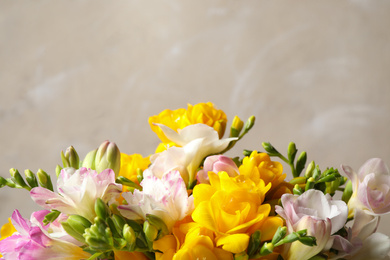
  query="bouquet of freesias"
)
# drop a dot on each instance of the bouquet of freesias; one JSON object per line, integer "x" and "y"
{"x": 189, "y": 201}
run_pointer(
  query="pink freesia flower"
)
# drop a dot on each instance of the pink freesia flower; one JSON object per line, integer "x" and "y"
{"x": 371, "y": 187}
{"x": 78, "y": 191}
{"x": 217, "y": 163}
{"x": 32, "y": 241}
{"x": 166, "y": 198}
{"x": 196, "y": 141}
{"x": 361, "y": 241}
{"x": 317, "y": 213}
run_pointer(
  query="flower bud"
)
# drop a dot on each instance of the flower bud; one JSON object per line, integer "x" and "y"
{"x": 310, "y": 169}
{"x": 150, "y": 231}
{"x": 220, "y": 127}
{"x": 18, "y": 179}
{"x": 101, "y": 209}
{"x": 71, "y": 158}
{"x": 270, "y": 149}
{"x": 236, "y": 127}
{"x": 347, "y": 192}
{"x": 249, "y": 123}
{"x": 129, "y": 235}
{"x": 78, "y": 223}
{"x": 31, "y": 178}
{"x": 154, "y": 227}
{"x": 77, "y": 235}
{"x": 266, "y": 249}
{"x": 217, "y": 163}
{"x": 44, "y": 180}
{"x": 254, "y": 242}
{"x": 58, "y": 170}
{"x": 279, "y": 234}
{"x": 3, "y": 182}
{"x": 108, "y": 156}
{"x": 301, "y": 161}
{"x": 89, "y": 160}
{"x": 291, "y": 152}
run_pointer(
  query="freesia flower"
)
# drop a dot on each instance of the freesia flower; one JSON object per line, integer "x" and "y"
{"x": 202, "y": 113}
{"x": 217, "y": 163}
{"x": 130, "y": 164}
{"x": 197, "y": 142}
{"x": 361, "y": 242}
{"x": 371, "y": 186}
{"x": 32, "y": 241}
{"x": 166, "y": 198}
{"x": 260, "y": 166}
{"x": 232, "y": 208}
{"x": 317, "y": 213}
{"x": 78, "y": 191}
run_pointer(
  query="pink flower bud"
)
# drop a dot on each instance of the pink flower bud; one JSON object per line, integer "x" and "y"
{"x": 217, "y": 163}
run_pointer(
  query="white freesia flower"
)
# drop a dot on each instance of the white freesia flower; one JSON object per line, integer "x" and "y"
{"x": 78, "y": 191}
{"x": 317, "y": 213}
{"x": 371, "y": 186}
{"x": 166, "y": 198}
{"x": 196, "y": 141}
{"x": 361, "y": 241}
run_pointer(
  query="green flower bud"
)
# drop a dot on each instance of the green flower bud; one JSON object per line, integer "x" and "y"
{"x": 301, "y": 161}
{"x": 44, "y": 180}
{"x": 291, "y": 152}
{"x": 310, "y": 169}
{"x": 254, "y": 243}
{"x": 297, "y": 190}
{"x": 71, "y": 158}
{"x": 347, "y": 192}
{"x": 78, "y": 223}
{"x": 101, "y": 209}
{"x": 58, "y": 170}
{"x": 3, "y": 182}
{"x": 151, "y": 232}
{"x": 126, "y": 182}
{"x": 159, "y": 224}
{"x": 266, "y": 249}
{"x": 73, "y": 232}
{"x": 50, "y": 217}
{"x": 31, "y": 178}
{"x": 18, "y": 179}
{"x": 249, "y": 123}
{"x": 308, "y": 240}
{"x": 270, "y": 149}
{"x": 310, "y": 184}
{"x": 279, "y": 234}
{"x": 129, "y": 235}
{"x": 89, "y": 160}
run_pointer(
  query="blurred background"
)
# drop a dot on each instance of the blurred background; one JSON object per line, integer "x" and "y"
{"x": 81, "y": 72}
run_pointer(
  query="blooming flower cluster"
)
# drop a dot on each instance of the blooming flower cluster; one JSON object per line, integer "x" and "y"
{"x": 190, "y": 201}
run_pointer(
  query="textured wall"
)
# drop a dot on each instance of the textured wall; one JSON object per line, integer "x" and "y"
{"x": 80, "y": 72}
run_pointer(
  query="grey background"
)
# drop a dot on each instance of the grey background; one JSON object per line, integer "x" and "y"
{"x": 80, "y": 72}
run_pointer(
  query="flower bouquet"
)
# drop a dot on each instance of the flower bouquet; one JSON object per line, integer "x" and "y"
{"x": 189, "y": 201}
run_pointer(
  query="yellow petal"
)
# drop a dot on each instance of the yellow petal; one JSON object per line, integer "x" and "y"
{"x": 235, "y": 243}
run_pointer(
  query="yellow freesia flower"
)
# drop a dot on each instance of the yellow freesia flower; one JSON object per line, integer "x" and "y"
{"x": 233, "y": 209}
{"x": 258, "y": 166}
{"x": 7, "y": 230}
{"x": 202, "y": 113}
{"x": 189, "y": 241}
{"x": 130, "y": 164}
